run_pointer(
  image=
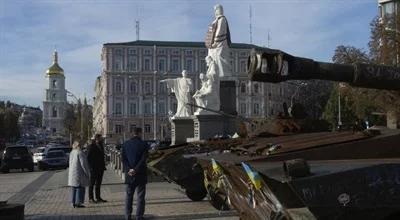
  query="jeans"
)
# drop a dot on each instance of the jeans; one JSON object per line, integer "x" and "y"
{"x": 140, "y": 201}
{"x": 78, "y": 195}
{"x": 95, "y": 182}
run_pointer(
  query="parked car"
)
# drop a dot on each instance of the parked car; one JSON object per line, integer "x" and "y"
{"x": 17, "y": 157}
{"x": 53, "y": 159}
{"x": 38, "y": 154}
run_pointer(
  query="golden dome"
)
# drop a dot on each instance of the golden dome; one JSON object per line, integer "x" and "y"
{"x": 55, "y": 68}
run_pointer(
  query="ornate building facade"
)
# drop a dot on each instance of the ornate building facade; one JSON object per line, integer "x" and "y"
{"x": 129, "y": 93}
{"x": 55, "y": 100}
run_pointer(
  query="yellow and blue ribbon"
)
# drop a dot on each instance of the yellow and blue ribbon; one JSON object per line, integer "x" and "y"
{"x": 253, "y": 176}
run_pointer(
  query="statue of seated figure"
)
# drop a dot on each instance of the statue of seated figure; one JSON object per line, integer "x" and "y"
{"x": 208, "y": 95}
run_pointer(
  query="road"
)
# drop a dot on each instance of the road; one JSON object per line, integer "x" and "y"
{"x": 46, "y": 196}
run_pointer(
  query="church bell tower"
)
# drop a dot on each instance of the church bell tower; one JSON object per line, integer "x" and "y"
{"x": 55, "y": 100}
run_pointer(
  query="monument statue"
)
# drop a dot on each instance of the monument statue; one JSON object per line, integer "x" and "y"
{"x": 181, "y": 87}
{"x": 198, "y": 95}
{"x": 208, "y": 95}
{"x": 218, "y": 41}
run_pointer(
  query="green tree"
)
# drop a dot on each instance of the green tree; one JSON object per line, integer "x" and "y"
{"x": 11, "y": 129}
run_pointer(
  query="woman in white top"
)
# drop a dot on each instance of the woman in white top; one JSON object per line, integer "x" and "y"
{"x": 78, "y": 174}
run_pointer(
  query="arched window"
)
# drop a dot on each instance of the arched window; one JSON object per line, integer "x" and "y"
{"x": 53, "y": 96}
{"x": 54, "y": 83}
{"x": 54, "y": 112}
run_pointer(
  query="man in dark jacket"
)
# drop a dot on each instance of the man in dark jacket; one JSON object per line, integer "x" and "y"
{"x": 134, "y": 156}
{"x": 95, "y": 154}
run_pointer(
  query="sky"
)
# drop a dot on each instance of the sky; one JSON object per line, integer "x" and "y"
{"x": 30, "y": 30}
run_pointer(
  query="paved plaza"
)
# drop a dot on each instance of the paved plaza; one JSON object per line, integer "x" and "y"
{"x": 46, "y": 196}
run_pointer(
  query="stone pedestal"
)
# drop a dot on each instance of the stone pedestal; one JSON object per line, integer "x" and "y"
{"x": 208, "y": 126}
{"x": 228, "y": 96}
{"x": 181, "y": 129}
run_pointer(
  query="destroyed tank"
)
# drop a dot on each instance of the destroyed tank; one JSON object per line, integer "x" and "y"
{"x": 285, "y": 172}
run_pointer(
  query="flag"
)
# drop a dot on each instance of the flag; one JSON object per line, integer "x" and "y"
{"x": 253, "y": 176}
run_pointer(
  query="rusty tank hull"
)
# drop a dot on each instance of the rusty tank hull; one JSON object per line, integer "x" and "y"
{"x": 295, "y": 173}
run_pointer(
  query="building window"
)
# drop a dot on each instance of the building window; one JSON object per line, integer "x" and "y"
{"x": 189, "y": 65}
{"x": 147, "y": 64}
{"x": 132, "y": 87}
{"x": 242, "y": 108}
{"x": 161, "y": 65}
{"x": 118, "y": 108}
{"x": 175, "y": 52}
{"x": 147, "y": 52}
{"x": 256, "y": 89}
{"x": 147, "y": 87}
{"x": 53, "y": 96}
{"x": 161, "y": 51}
{"x": 203, "y": 66}
{"x": 243, "y": 87}
{"x": 175, "y": 65}
{"x": 54, "y": 112}
{"x": 147, "y": 128}
{"x": 163, "y": 87}
{"x": 54, "y": 84}
{"x": 161, "y": 108}
{"x": 243, "y": 67}
{"x": 118, "y": 52}
{"x": 132, "y": 108}
{"x": 118, "y": 87}
{"x": 118, "y": 129}
{"x": 132, "y": 63}
{"x": 147, "y": 108}
{"x": 132, "y": 128}
{"x": 189, "y": 52}
{"x": 132, "y": 51}
{"x": 256, "y": 109}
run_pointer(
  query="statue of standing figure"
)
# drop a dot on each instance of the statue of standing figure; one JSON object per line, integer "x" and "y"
{"x": 218, "y": 41}
{"x": 181, "y": 87}
{"x": 208, "y": 95}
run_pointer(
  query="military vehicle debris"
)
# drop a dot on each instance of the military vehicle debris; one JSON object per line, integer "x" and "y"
{"x": 290, "y": 168}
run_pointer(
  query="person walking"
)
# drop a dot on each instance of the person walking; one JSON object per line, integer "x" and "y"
{"x": 78, "y": 175}
{"x": 134, "y": 156}
{"x": 97, "y": 166}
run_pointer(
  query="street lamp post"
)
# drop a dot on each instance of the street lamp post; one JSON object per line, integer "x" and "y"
{"x": 339, "y": 106}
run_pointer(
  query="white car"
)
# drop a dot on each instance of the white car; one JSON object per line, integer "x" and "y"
{"x": 38, "y": 155}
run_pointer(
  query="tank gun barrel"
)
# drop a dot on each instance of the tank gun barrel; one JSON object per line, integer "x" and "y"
{"x": 277, "y": 66}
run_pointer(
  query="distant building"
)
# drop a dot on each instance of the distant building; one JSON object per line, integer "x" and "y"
{"x": 129, "y": 94}
{"x": 388, "y": 7}
{"x": 55, "y": 101}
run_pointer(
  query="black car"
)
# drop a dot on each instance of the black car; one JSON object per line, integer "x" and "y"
{"x": 17, "y": 157}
